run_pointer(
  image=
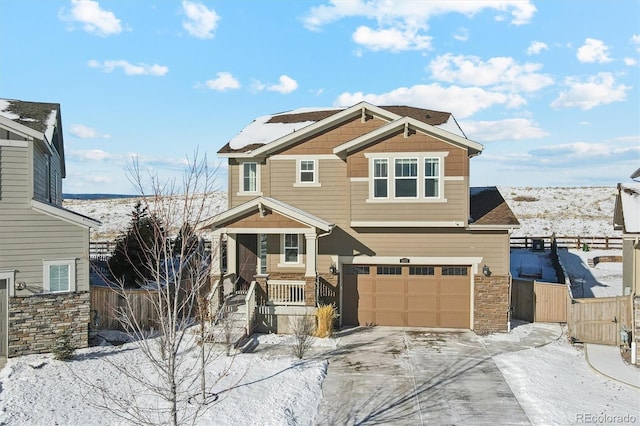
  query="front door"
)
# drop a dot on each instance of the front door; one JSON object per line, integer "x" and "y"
{"x": 247, "y": 259}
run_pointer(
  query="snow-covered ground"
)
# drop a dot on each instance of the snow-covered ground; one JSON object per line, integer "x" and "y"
{"x": 553, "y": 384}
{"x": 602, "y": 280}
{"x": 571, "y": 211}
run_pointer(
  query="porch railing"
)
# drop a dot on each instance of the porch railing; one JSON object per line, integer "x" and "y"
{"x": 250, "y": 305}
{"x": 283, "y": 292}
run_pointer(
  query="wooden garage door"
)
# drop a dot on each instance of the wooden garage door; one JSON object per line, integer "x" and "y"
{"x": 414, "y": 296}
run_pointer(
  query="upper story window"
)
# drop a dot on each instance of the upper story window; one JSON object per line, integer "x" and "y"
{"x": 249, "y": 178}
{"x": 307, "y": 173}
{"x": 406, "y": 176}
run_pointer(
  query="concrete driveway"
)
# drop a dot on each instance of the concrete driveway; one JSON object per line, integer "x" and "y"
{"x": 389, "y": 375}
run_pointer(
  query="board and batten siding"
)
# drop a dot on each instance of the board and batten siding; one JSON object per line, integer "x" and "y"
{"x": 44, "y": 176}
{"x": 454, "y": 209}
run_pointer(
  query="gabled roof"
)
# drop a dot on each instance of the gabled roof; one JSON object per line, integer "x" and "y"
{"x": 269, "y": 133}
{"x": 410, "y": 124}
{"x": 488, "y": 208}
{"x": 627, "y": 208}
{"x": 278, "y": 206}
{"x": 38, "y": 120}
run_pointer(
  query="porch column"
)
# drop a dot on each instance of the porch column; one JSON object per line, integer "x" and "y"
{"x": 231, "y": 254}
{"x": 216, "y": 254}
{"x": 310, "y": 255}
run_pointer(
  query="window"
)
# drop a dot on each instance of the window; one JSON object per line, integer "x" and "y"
{"x": 59, "y": 276}
{"x": 406, "y": 177}
{"x": 389, "y": 270}
{"x": 262, "y": 249}
{"x": 249, "y": 177}
{"x": 454, "y": 270}
{"x": 291, "y": 248}
{"x": 307, "y": 171}
{"x": 357, "y": 270}
{"x": 380, "y": 178}
{"x": 421, "y": 270}
{"x": 431, "y": 177}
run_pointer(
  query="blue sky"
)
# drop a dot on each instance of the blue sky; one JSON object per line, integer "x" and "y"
{"x": 550, "y": 88}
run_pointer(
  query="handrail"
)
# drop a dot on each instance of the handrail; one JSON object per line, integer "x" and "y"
{"x": 286, "y": 292}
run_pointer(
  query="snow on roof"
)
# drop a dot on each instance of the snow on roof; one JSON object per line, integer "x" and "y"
{"x": 630, "y": 198}
{"x": 4, "y": 110}
{"x": 39, "y": 116}
{"x": 262, "y": 131}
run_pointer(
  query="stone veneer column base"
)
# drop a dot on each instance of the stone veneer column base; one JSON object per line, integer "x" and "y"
{"x": 491, "y": 303}
{"x": 36, "y": 321}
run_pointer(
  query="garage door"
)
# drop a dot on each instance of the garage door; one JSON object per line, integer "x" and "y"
{"x": 413, "y": 296}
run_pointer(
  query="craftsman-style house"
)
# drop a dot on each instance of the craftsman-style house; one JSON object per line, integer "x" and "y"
{"x": 368, "y": 207}
{"x": 44, "y": 255}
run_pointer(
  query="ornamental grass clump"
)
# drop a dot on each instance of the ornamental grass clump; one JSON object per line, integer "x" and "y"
{"x": 325, "y": 315}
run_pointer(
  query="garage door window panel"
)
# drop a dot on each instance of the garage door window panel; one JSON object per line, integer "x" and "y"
{"x": 454, "y": 270}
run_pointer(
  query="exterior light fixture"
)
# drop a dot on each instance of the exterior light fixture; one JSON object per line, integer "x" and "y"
{"x": 486, "y": 271}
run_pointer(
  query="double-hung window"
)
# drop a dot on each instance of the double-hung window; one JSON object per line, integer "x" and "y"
{"x": 406, "y": 177}
{"x": 59, "y": 276}
{"x": 431, "y": 177}
{"x": 291, "y": 248}
{"x": 381, "y": 178}
{"x": 249, "y": 177}
{"x": 307, "y": 171}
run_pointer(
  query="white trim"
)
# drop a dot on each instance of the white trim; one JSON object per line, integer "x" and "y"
{"x": 14, "y": 143}
{"x": 304, "y": 157}
{"x": 241, "y": 191}
{"x": 359, "y": 179}
{"x": 21, "y": 129}
{"x": 71, "y": 263}
{"x": 454, "y": 177}
{"x": 283, "y": 258}
{"x": 393, "y": 126}
{"x": 66, "y": 215}
{"x": 427, "y": 154}
{"x": 11, "y": 276}
{"x": 413, "y": 261}
{"x": 406, "y": 224}
{"x": 307, "y": 185}
{"x": 269, "y": 231}
{"x": 316, "y": 179}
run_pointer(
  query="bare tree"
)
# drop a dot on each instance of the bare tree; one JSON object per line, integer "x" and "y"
{"x": 177, "y": 296}
{"x": 302, "y": 327}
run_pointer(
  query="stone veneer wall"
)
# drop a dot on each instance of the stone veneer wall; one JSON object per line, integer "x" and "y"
{"x": 492, "y": 304}
{"x": 36, "y": 321}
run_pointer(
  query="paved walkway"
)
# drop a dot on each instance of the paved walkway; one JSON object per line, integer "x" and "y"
{"x": 607, "y": 360}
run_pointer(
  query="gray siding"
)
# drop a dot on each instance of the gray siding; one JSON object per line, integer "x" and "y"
{"x": 14, "y": 174}
{"x": 47, "y": 183}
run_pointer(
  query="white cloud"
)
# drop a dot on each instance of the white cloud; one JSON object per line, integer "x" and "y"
{"x": 200, "y": 22}
{"x": 92, "y": 155}
{"x": 93, "y": 19}
{"x": 635, "y": 39}
{"x": 286, "y": 85}
{"x": 84, "y": 132}
{"x": 392, "y": 39}
{"x": 596, "y": 90}
{"x": 593, "y": 51}
{"x": 503, "y": 130}
{"x": 402, "y": 23}
{"x": 223, "y": 81}
{"x": 502, "y": 73}
{"x": 128, "y": 68}
{"x": 461, "y": 101}
{"x": 630, "y": 61}
{"x": 536, "y": 47}
{"x": 461, "y": 35}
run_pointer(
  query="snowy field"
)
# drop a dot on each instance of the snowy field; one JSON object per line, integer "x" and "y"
{"x": 572, "y": 211}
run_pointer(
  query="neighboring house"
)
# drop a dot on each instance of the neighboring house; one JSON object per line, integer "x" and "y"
{"x": 370, "y": 208}
{"x": 44, "y": 255}
{"x": 627, "y": 219}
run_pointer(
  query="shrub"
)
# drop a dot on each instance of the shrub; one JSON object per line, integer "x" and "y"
{"x": 302, "y": 330}
{"x": 325, "y": 315}
{"x": 62, "y": 349}
{"x": 527, "y": 198}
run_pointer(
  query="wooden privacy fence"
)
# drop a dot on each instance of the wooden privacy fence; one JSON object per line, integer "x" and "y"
{"x": 599, "y": 320}
{"x": 537, "y": 301}
{"x": 107, "y": 302}
{"x": 578, "y": 242}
